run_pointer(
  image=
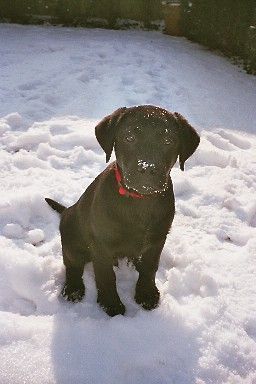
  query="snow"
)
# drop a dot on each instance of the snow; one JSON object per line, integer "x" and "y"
{"x": 56, "y": 84}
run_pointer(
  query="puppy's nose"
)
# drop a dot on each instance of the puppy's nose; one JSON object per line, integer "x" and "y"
{"x": 145, "y": 167}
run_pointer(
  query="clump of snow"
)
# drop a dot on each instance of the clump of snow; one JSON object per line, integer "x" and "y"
{"x": 35, "y": 236}
{"x": 204, "y": 329}
{"x": 14, "y": 120}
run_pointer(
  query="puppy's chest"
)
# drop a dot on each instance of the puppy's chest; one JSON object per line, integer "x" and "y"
{"x": 141, "y": 216}
{"x": 141, "y": 227}
{"x": 130, "y": 242}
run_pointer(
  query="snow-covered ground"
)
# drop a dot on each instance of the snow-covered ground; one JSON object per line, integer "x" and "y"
{"x": 55, "y": 85}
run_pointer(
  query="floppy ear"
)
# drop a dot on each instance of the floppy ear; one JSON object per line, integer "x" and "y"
{"x": 105, "y": 131}
{"x": 189, "y": 139}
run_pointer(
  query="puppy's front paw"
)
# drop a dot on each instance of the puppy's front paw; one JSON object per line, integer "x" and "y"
{"x": 147, "y": 295}
{"x": 73, "y": 293}
{"x": 112, "y": 306}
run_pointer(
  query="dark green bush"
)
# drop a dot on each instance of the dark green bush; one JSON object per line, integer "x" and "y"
{"x": 227, "y": 25}
{"x": 78, "y": 12}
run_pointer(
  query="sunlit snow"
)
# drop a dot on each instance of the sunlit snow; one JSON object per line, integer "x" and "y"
{"x": 55, "y": 86}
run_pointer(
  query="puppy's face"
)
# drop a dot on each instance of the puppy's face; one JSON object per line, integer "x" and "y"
{"x": 147, "y": 141}
{"x": 146, "y": 147}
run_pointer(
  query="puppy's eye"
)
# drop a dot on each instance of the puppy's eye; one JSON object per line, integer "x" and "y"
{"x": 130, "y": 138}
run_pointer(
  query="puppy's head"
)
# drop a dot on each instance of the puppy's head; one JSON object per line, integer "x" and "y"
{"x": 147, "y": 141}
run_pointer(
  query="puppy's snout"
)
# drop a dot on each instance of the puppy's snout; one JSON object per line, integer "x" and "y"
{"x": 145, "y": 167}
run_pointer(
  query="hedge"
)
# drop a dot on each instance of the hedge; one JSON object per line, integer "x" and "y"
{"x": 228, "y": 25}
{"x": 81, "y": 12}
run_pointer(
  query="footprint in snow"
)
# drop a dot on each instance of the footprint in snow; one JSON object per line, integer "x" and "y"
{"x": 127, "y": 80}
{"x": 102, "y": 55}
{"x": 84, "y": 78}
{"x": 28, "y": 86}
{"x": 77, "y": 59}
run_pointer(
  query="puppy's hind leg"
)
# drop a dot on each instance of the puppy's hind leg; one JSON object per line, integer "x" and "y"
{"x": 74, "y": 288}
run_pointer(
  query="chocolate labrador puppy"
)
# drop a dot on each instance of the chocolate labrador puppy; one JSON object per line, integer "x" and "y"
{"x": 128, "y": 209}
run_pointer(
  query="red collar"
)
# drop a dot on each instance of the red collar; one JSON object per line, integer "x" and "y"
{"x": 122, "y": 191}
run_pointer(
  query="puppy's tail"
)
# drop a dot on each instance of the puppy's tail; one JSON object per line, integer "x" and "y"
{"x": 54, "y": 205}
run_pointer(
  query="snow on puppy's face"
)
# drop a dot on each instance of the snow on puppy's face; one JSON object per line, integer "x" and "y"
{"x": 147, "y": 141}
{"x": 146, "y": 148}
